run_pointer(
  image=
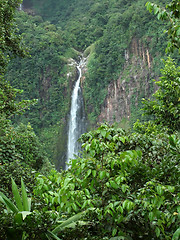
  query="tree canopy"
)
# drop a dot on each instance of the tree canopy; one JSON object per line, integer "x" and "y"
{"x": 166, "y": 106}
{"x": 170, "y": 13}
{"x": 9, "y": 38}
{"x": 124, "y": 186}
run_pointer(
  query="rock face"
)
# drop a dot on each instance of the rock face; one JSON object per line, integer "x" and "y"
{"x": 60, "y": 153}
{"x": 134, "y": 83}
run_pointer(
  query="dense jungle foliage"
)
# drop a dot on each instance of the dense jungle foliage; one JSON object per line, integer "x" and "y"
{"x": 54, "y": 32}
{"x": 126, "y": 184}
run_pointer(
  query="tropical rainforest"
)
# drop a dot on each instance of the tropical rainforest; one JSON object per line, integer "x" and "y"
{"x": 125, "y": 184}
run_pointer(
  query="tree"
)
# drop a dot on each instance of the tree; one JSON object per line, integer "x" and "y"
{"x": 15, "y": 143}
{"x": 10, "y": 45}
{"x": 166, "y": 106}
{"x": 130, "y": 180}
{"x": 8, "y": 104}
{"x": 170, "y": 13}
{"x": 10, "y": 41}
{"x": 19, "y": 212}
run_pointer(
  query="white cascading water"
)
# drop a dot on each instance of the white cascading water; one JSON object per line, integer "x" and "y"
{"x": 20, "y": 7}
{"x": 76, "y": 120}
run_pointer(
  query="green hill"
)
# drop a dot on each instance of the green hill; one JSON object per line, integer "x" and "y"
{"x": 124, "y": 44}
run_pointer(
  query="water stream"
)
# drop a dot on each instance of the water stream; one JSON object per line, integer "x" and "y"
{"x": 20, "y": 7}
{"x": 76, "y": 119}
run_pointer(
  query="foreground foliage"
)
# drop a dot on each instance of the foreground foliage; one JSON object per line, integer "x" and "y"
{"x": 21, "y": 211}
{"x": 131, "y": 180}
{"x": 166, "y": 103}
{"x": 125, "y": 186}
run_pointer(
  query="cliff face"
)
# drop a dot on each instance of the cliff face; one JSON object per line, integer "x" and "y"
{"x": 60, "y": 150}
{"x": 135, "y": 82}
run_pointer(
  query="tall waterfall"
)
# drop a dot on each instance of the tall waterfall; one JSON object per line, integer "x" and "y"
{"x": 20, "y": 7}
{"x": 77, "y": 118}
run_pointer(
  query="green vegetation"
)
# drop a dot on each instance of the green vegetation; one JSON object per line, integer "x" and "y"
{"x": 166, "y": 104}
{"x": 128, "y": 190}
{"x": 123, "y": 26}
{"x": 10, "y": 41}
{"x": 131, "y": 180}
{"x": 106, "y": 30}
{"x": 42, "y": 75}
{"x": 126, "y": 184}
{"x": 170, "y": 13}
{"x": 22, "y": 210}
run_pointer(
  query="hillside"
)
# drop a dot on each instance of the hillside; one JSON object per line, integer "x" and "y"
{"x": 81, "y": 64}
{"x": 123, "y": 43}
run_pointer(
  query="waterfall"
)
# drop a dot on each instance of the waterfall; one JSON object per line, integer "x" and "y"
{"x": 20, "y": 7}
{"x": 77, "y": 118}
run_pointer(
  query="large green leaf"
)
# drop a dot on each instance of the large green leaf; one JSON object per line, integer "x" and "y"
{"x": 9, "y": 204}
{"x": 51, "y": 235}
{"x": 29, "y": 203}
{"x": 16, "y": 195}
{"x": 176, "y": 235}
{"x": 26, "y": 203}
{"x": 67, "y": 223}
{"x": 18, "y": 218}
{"x": 80, "y": 223}
{"x": 2, "y": 199}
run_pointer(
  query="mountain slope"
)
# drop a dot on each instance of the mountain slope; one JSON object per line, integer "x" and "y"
{"x": 124, "y": 45}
